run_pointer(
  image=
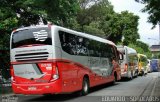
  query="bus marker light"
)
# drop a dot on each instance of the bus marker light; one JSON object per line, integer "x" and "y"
{"x": 55, "y": 76}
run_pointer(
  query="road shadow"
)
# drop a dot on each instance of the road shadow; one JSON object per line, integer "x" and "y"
{"x": 128, "y": 79}
{"x": 54, "y": 98}
{"x": 103, "y": 86}
{"x": 65, "y": 97}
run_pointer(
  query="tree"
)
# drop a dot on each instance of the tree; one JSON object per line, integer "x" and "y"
{"x": 141, "y": 47}
{"x": 84, "y": 4}
{"x": 129, "y": 27}
{"x": 121, "y": 25}
{"x": 13, "y": 14}
{"x": 92, "y": 16}
{"x": 100, "y": 19}
{"x": 152, "y": 7}
{"x": 60, "y": 12}
{"x": 21, "y": 13}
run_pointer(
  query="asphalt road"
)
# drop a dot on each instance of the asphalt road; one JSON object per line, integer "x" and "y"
{"x": 145, "y": 88}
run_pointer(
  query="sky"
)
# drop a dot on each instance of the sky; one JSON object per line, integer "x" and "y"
{"x": 147, "y": 35}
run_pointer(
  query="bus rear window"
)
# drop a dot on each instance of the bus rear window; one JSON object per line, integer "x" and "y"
{"x": 33, "y": 36}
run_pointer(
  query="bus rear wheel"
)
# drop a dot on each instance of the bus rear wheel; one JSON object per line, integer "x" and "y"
{"x": 131, "y": 77}
{"x": 115, "y": 79}
{"x": 85, "y": 86}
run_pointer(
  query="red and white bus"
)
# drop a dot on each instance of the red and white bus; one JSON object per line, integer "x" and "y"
{"x": 54, "y": 60}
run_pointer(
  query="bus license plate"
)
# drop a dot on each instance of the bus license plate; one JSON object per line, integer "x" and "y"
{"x": 31, "y": 88}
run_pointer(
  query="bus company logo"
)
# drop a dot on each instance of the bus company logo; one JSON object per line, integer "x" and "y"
{"x": 41, "y": 35}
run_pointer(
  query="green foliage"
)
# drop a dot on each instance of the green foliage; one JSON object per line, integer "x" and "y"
{"x": 152, "y": 7}
{"x": 21, "y": 13}
{"x": 124, "y": 24}
{"x": 156, "y": 56}
{"x": 90, "y": 16}
{"x": 130, "y": 26}
{"x": 91, "y": 29}
{"x": 96, "y": 13}
{"x": 100, "y": 18}
{"x": 141, "y": 47}
{"x": 60, "y": 12}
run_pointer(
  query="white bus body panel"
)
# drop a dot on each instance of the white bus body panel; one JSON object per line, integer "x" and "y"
{"x": 127, "y": 51}
{"x": 55, "y": 51}
{"x": 96, "y": 64}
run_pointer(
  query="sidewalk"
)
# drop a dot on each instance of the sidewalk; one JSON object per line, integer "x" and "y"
{"x": 156, "y": 87}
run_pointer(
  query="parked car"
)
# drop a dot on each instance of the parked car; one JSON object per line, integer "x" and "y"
{"x": 154, "y": 65}
{"x": 149, "y": 69}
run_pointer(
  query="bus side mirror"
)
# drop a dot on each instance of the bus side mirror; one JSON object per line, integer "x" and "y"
{"x": 120, "y": 56}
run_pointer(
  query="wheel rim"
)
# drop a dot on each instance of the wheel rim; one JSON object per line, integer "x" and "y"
{"x": 85, "y": 87}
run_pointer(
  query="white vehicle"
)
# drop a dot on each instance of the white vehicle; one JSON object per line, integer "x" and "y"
{"x": 149, "y": 66}
{"x": 129, "y": 64}
{"x": 54, "y": 60}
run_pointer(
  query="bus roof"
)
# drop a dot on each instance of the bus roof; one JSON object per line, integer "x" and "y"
{"x": 86, "y": 35}
{"x": 72, "y": 31}
{"x": 129, "y": 49}
{"x": 141, "y": 55}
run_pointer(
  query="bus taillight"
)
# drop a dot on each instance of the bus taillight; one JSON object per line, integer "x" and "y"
{"x": 50, "y": 67}
{"x": 12, "y": 74}
{"x": 125, "y": 67}
{"x": 55, "y": 74}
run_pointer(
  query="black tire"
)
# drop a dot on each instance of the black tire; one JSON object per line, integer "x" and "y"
{"x": 48, "y": 95}
{"x": 136, "y": 73}
{"x": 131, "y": 75}
{"x": 142, "y": 73}
{"x": 115, "y": 79}
{"x": 85, "y": 86}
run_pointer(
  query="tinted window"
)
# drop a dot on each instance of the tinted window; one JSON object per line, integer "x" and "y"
{"x": 82, "y": 46}
{"x": 73, "y": 44}
{"x": 76, "y": 45}
{"x": 31, "y": 36}
{"x": 94, "y": 48}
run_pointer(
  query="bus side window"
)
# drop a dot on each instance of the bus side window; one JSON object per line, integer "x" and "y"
{"x": 68, "y": 42}
{"x": 73, "y": 44}
{"x": 113, "y": 52}
{"x": 82, "y": 46}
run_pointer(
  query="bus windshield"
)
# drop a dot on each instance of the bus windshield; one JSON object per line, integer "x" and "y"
{"x": 34, "y": 36}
